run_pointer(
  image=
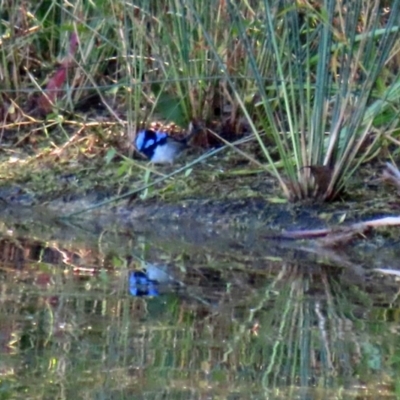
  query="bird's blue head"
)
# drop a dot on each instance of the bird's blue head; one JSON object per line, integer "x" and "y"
{"x": 147, "y": 282}
{"x": 141, "y": 285}
{"x": 158, "y": 147}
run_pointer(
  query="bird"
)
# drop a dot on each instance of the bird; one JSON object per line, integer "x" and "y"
{"x": 147, "y": 281}
{"x": 161, "y": 148}
{"x": 155, "y": 279}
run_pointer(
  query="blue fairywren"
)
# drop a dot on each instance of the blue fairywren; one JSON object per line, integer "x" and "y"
{"x": 152, "y": 280}
{"x": 147, "y": 282}
{"x": 160, "y": 147}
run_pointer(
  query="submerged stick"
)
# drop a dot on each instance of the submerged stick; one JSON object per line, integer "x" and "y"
{"x": 339, "y": 235}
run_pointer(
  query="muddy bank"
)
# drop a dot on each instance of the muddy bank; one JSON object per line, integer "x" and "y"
{"x": 246, "y": 228}
{"x": 252, "y": 213}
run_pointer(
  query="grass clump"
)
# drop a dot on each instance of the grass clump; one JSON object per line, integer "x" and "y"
{"x": 328, "y": 88}
{"x": 315, "y": 83}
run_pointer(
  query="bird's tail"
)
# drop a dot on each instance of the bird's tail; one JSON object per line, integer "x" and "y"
{"x": 194, "y": 129}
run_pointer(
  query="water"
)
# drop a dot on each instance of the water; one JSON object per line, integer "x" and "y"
{"x": 234, "y": 316}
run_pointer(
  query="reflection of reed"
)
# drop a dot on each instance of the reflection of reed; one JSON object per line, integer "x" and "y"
{"x": 303, "y": 339}
{"x": 241, "y": 319}
{"x": 285, "y": 326}
{"x": 297, "y": 330}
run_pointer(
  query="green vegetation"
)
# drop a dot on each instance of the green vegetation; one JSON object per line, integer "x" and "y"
{"x": 245, "y": 323}
{"x": 316, "y": 85}
{"x": 303, "y": 92}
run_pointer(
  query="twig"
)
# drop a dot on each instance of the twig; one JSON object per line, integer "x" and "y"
{"x": 337, "y": 236}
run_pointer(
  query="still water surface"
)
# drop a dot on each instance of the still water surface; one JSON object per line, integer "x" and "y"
{"x": 179, "y": 313}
